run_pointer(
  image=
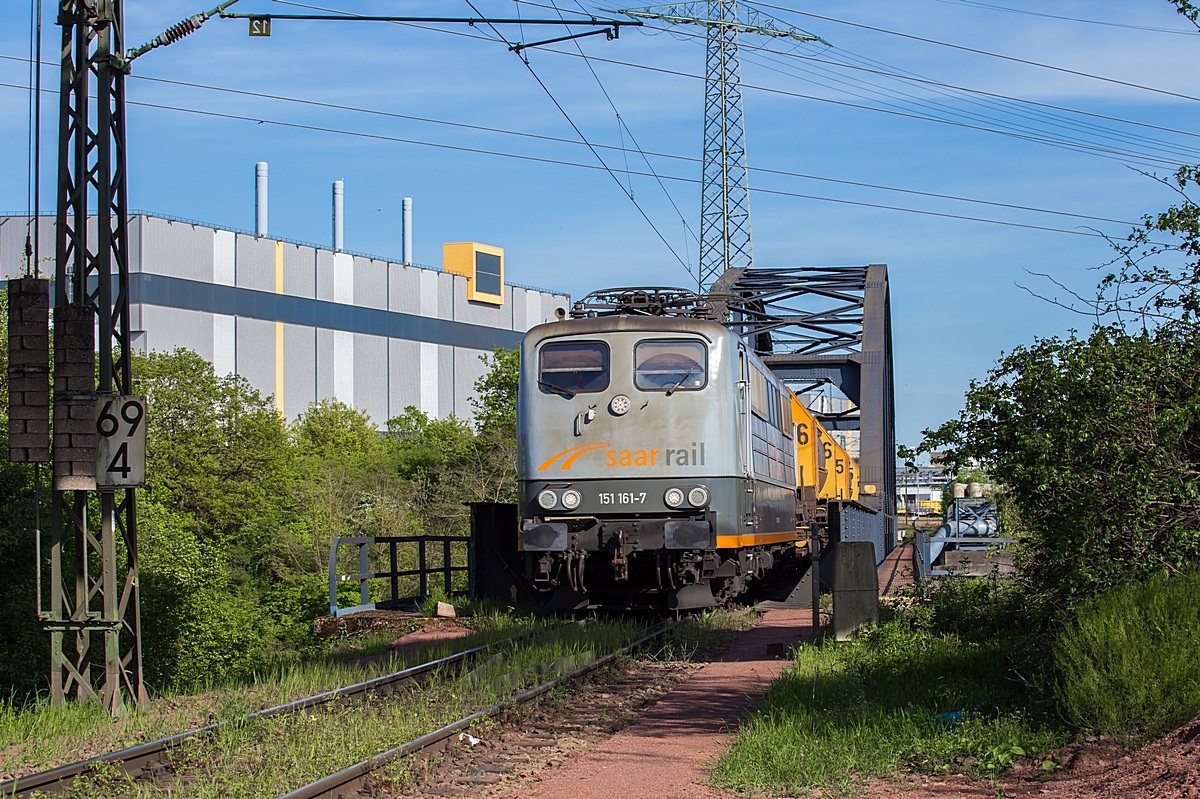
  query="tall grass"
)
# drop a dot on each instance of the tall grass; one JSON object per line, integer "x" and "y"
{"x": 897, "y": 696}
{"x": 269, "y": 757}
{"x": 35, "y": 736}
{"x": 1130, "y": 665}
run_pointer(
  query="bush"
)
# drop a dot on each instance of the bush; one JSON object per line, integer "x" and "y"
{"x": 1128, "y": 666}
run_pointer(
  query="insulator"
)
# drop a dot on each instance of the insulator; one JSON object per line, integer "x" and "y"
{"x": 177, "y": 32}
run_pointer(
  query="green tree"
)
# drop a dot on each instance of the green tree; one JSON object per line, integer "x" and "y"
{"x": 495, "y": 400}
{"x": 215, "y": 517}
{"x": 1157, "y": 281}
{"x": 1187, "y": 9}
{"x": 1096, "y": 440}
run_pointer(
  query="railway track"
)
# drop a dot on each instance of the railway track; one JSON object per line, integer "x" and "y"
{"x": 134, "y": 759}
{"x": 352, "y": 778}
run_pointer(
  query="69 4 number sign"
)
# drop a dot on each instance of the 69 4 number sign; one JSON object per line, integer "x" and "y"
{"x": 120, "y": 441}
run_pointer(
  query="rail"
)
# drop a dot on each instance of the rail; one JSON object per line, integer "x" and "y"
{"x": 134, "y": 757}
{"x": 347, "y": 777}
{"x": 422, "y": 571}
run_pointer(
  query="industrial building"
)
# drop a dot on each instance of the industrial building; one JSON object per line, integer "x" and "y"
{"x": 306, "y": 323}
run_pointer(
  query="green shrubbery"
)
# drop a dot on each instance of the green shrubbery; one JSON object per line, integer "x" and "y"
{"x": 1130, "y": 664}
{"x": 240, "y": 508}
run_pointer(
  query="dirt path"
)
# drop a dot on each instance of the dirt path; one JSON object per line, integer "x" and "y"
{"x": 665, "y": 753}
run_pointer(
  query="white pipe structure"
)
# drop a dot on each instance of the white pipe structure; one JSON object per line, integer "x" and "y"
{"x": 260, "y": 198}
{"x": 339, "y": 239}
{"x": 408, "y": 257}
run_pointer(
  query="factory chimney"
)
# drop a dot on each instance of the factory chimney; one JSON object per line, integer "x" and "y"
{"x": 260, "y": 198}
{"x": 408, "y": 257}
{"x": 338, "y": 203}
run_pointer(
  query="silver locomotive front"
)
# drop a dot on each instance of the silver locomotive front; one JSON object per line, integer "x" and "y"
{"x": 632, "y": 461}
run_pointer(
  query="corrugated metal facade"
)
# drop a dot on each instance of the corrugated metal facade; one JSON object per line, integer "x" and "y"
{"x": 268, "y": 310}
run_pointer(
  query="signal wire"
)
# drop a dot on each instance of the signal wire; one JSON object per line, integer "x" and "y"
{"x": 974, "y": 50}
{"x": 644, "y": 153}
{"x": 561, "y": 162}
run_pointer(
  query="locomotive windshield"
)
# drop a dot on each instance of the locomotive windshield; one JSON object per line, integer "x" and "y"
{"x": 670, "y": 366}
{"x": 574, "y": 367}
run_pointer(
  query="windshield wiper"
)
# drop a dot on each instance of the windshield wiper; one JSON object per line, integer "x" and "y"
{"x": 561, "y": 391}
{"x": 686, "y": 375}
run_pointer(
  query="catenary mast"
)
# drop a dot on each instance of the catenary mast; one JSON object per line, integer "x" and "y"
{"x": 725, "y": 240}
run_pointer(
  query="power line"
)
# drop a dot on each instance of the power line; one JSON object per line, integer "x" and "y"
{"x": 1092, "y": 150}
{"x": 1128, "y": 26}
{"x": 914, "y": 78}
{"x": 1021, "y": 128}
{"x": 560, "y": 162}
{"x": 974, "y": 50}
{"x": 575, "y": 142}
{"x": 1102, "y": 152}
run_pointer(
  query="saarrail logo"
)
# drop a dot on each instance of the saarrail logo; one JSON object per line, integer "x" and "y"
{"x": 617, "y": 458}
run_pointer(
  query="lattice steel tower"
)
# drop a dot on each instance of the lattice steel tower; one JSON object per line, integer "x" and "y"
{"x": 725, "y": 239}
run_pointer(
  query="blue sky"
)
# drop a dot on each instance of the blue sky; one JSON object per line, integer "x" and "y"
{"x": 956, "y": 295}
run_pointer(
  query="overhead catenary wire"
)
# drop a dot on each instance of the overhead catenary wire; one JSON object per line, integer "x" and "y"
{"x": 562, "y": 140}
{"x": 623, "y": 127}
{"x": 525, "y": 60}
{"x": 561, "y": 162}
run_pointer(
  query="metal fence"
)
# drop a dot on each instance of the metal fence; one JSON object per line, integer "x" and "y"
{"x": 397, "y": 574}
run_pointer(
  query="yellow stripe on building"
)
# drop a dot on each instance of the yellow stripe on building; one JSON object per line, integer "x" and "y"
{"x": 279, "y": 331}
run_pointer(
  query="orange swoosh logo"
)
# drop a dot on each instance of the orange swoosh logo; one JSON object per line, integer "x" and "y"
{"x": 571, "y": 454}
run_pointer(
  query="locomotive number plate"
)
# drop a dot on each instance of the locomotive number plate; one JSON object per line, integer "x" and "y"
{"x": 623, "y": 498}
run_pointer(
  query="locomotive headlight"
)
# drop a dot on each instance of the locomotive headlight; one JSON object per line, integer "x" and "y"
{"x": 698, "y": 497}
{"x": 673, "y": 497}
{"x": 571, "y": 499}
{"x": 547, "y": 499}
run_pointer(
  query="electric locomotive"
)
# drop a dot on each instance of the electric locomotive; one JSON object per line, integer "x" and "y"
{"x": 660, "y": 462}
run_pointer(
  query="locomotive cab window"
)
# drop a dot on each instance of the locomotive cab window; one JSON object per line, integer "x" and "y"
{"x": 670, "y": 365}
{"x": 573, "y": 367}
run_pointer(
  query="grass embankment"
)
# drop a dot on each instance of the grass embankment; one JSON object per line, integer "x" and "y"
{"x": 934, "y": 688}
{"x": 40, "y": 736}
{"x": 964, "y": 680}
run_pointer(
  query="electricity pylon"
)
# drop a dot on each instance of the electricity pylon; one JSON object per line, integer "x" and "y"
{"x": 725, "y": 239}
